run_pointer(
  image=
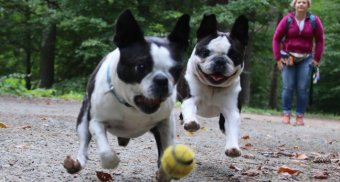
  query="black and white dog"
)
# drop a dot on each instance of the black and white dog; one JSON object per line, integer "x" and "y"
{"x": 132, "y": 91}
{"x": 211, "y": 83}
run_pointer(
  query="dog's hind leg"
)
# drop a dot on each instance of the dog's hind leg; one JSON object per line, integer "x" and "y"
{"x": 74, "y": 166}
{"x": 123, "y": 141}
{"x": 221, "y": 122}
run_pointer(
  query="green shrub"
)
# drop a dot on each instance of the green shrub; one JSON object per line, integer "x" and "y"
{"x": 13, "y": 84}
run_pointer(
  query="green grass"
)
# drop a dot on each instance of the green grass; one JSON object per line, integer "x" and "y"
{"x": 14, "y": 84}
{"x": 277, "y": 112}
{"x": 73, "y": 89}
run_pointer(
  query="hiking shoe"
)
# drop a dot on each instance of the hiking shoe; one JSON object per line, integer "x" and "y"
{"x": 286, "y": 119}
{"x": 299, "y": 120}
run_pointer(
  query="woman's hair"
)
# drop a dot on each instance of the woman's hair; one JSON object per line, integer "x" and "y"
{"x": 292, "y": 4}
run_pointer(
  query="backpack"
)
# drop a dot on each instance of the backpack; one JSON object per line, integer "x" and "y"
{"x": 311, "y": 17}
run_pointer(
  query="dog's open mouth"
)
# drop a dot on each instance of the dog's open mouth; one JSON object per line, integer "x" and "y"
{"x": 216, "y": 78}
{"x": 148, "y": 105}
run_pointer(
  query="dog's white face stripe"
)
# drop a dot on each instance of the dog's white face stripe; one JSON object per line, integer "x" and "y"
{"x": 161, "y": 57}
{"x": 162, "y": 63}
{"x": 220, "y": 45}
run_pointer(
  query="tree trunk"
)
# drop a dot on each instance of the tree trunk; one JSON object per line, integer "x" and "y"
{"x": 244, "y": 97}
{"x": 274, "y": 80}
{"x": 47, "y": 53}
{"x": 28, "y": 49}
{"x": 273, "y": 88}
{"x": 28, "y": 69}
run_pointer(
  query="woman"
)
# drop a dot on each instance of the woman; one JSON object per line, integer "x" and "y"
{"x": 295, "y": 58}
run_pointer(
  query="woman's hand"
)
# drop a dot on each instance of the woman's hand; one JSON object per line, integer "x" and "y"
{"x": 315, "y": 63}
{"x": 281, "y": 62}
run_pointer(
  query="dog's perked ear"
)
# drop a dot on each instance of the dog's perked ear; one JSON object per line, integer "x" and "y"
{"x": 240, "y": 30}
{"x": 207, "y": 27}
{"x": 127, "y": 30}
{"x": 180, "y": 34}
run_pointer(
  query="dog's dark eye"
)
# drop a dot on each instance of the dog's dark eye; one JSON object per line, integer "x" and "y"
{"x": 140, "y": 68}
{"x": 205, "y": 53}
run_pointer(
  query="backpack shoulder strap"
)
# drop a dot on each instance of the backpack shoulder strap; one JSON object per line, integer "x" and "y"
{"x": 312, "y": 20}
{"x": 288, "y": 22}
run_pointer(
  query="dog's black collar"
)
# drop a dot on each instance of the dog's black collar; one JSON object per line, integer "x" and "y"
{"x": 112, "y": 89}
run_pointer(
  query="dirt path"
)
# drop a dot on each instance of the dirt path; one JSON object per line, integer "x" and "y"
{"x": 41, "y": 132}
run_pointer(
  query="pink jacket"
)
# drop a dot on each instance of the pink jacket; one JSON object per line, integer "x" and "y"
{"x": 296, "y": 41}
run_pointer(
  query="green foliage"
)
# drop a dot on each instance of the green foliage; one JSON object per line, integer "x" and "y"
{"x": 14, "y": 84}
{"x": 85, "y": 31}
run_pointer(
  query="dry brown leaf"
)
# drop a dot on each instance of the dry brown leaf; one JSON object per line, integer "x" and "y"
{"x": 189, "y": 133}
{"x": 104, "y": 177}
{"x": 300, "y": 157}
{"x": 247, "y": 146}
{"x": 43, "y": 118}
{"x": 232, "y": 166}
{"x": 251, "y": 172}
{"x": 249, "y": 156}
{"x": 296, "y": 148}
{"x": 320, "y": 175}
{"x": 285, "y": 153}
{"x": 25, "y": 127}
{"x": 204, "y": 129}
{"x": 22, "y": 146}
{"x": 246, "y": 137}
{"x": 2, "y": 125}
{"x": 290, "y": 171}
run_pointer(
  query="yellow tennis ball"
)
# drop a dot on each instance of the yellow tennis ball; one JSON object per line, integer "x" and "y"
{"x": 178, "y": 161}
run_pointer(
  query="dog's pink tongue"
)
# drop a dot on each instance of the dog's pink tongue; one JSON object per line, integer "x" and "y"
{"x": 216, "y": 77}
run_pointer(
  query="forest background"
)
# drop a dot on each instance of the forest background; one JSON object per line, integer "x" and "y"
{"x": 50, "y": 47}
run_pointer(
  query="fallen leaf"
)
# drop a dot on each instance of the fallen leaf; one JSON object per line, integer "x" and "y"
{"x": 2, "y": 125}
{"x": 251, "y": 172}
{"x": 288, "y": 154}
{"x": 43, "y": 119}
{"x": 296, "y": 148}
{"x": 22, "y": 146}
{"x": 300, "y": 157}
{"x": 295, "y": 161}
{"x": 246, "y": 137}
{"x": 290, "y": 171}
{"x": 232, "y": 166}
{"x": 25, "y": 127}
{"x": 204, "y": 129}
{"x": 249, "y": 156}
{"x": 104, "y": 177}
{"x": 247, "y": 146}
{"x": 320, "y": 175}
{"x": 189, "y": 133}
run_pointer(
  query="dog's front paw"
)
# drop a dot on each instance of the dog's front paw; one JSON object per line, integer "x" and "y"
{"x": 192, "y": 126}
{"x": 109, "y": 160}
{"x": 162, "y": 176}
{"x": 233, "y": 152}
{"x": 72, "y": 166}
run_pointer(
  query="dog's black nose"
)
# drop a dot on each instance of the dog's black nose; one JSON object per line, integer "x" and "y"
{"x": 161, "y": 80}
{"x": 220, "y": 65}
{"x": 160, "y": 88}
